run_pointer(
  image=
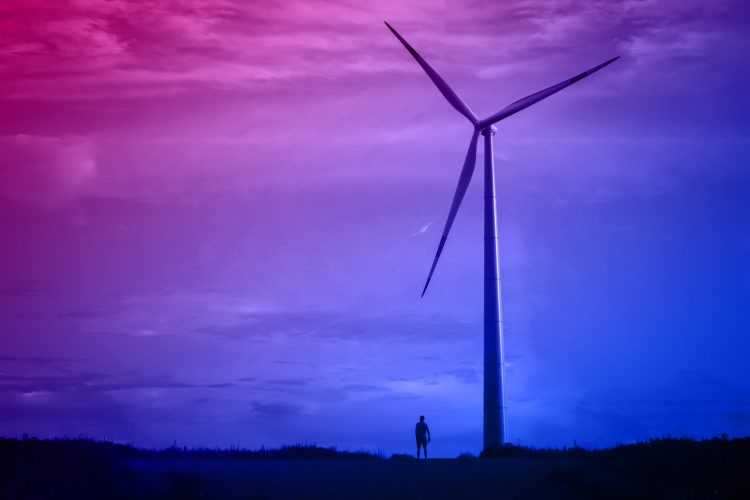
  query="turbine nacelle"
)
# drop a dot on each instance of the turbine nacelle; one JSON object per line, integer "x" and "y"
{"x": 485, "y": 130}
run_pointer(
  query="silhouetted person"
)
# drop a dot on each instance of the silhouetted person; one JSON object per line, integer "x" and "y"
{"x": 423, "y": 436}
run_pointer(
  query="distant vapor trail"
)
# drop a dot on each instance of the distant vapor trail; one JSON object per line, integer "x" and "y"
{"x": 423, "y": 229}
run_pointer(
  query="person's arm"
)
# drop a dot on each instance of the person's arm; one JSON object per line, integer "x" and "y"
{"x": 429, "y": 437}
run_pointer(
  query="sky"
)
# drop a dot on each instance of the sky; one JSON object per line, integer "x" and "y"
{"x": 217, "y": 217}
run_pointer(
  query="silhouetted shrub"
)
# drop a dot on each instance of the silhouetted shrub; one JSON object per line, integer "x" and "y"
{"x": 83, "y": 468}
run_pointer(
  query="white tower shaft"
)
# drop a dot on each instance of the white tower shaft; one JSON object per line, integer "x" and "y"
{"x": 494, "y": 407}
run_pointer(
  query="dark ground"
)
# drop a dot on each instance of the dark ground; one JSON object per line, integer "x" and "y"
{"x": 664, "y": 469}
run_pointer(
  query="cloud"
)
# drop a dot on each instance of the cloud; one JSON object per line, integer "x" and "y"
{"x": 172, "y": 313}
{"x": 364, "y": 388}
{"x": 465, "y": 375}
{"x": 286, "y": 385}
{"x": 30, "y": 289}
{"x": 39, "y": 360}
{"x": 235, "y": 318}
{"x": 83, "y": 382}
{"x": 692, "y": 404}
{"x": 277, "y": 409}
{"x": 125, "y": 49}
{"x": 139, "y": 47}
{"x": 141, "y": 52}
{"x": 32, "y": 410}
{"x": 48, "y": 171}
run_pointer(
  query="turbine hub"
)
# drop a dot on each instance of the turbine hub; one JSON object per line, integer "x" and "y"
{"x": 491, "y": 130}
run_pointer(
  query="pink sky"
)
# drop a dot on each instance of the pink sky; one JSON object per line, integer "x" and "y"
{"x": 212, "y": 218}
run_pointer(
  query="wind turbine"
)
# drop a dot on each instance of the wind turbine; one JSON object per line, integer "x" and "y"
{"x": 494, "y": 409}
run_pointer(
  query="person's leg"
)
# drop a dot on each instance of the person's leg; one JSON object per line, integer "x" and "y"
{"x": 418, "y": 445}
{"x": 425, "y": 449}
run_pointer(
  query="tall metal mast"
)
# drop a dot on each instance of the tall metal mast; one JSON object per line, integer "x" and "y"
{"x": 494, "y": 404}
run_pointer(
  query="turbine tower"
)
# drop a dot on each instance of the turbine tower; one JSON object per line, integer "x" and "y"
{"x": 494, "y": 409}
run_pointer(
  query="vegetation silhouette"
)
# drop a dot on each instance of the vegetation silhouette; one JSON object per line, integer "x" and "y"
{"x": 661, "y": 468}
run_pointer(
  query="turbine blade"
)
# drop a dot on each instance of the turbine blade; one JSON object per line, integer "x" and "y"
{"x": 463, "y": 184}
{"x": 442, "y": 86}
{"x": 538, "y": 96}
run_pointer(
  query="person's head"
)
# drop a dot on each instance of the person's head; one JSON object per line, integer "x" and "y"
{"x": 421, "y": 418}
